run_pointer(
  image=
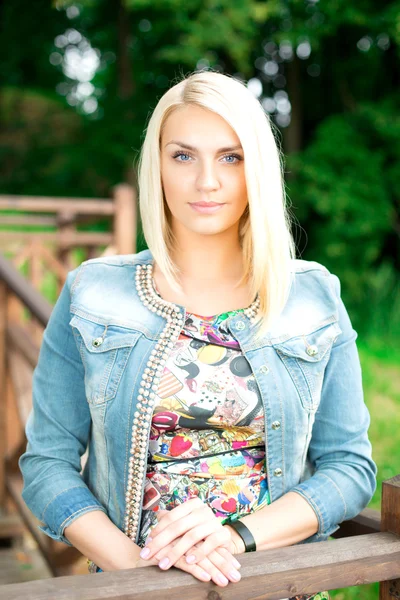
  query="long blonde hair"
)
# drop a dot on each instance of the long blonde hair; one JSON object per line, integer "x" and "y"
{"x": 264, "y": 229}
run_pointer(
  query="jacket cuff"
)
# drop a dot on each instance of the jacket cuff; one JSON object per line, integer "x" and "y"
{"x": 65, "y": 508}
{"x": 327, "y": 501}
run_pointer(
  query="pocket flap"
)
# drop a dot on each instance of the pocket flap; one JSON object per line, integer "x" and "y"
{"x": 100, "y": 338}
{"x": 311, "y": 347}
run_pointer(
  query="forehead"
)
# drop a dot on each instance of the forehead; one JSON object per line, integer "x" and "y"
{"x": 194, "y": 124}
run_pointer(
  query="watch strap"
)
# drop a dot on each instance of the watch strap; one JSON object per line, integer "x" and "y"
{"x": 245, "y": 534}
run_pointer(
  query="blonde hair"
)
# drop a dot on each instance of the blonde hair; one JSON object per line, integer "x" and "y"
{"x": 264, "y": 229}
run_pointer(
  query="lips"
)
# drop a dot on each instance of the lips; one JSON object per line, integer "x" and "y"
{"x": 206, "y": 207}
{"x": 205, "y": 204}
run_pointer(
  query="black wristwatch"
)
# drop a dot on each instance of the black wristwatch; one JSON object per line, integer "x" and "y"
{"x": 245, "y": 534}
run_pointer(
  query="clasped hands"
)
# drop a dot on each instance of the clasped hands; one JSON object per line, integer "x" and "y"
{"x": 191, "y": 538}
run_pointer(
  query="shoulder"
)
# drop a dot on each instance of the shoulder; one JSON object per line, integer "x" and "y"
{"x": 300, "y": 266}
{"x": 312, "y": 301}
{"x": 118, "y": 264}
{"x": 104, "y": 272}
{"x": 310, "y": 273}
{"x": 119, "y": 260}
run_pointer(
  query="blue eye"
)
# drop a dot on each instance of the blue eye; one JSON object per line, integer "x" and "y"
{"x": 237, "y": 157}
{"x": 180, "y": 154}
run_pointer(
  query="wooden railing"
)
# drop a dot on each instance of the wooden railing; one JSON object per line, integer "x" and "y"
{"x": 64, "y": 214}
{"x": 364, "y": 550}
{"x": 41, "y": 253}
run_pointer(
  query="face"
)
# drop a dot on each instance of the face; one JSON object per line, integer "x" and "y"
{"x": 202, "y": 172}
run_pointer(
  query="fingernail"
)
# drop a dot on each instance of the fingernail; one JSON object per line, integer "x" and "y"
{"x": 145, "y": 553}
{"x": 235, "y": 575}
{"x": 190, "y": 559}
{"x": 222, "y": 580}
{"x": 148, "y": 540}
{"x": 236, "y": 563}
{"x": 163, "y": 564}
{"x": 206, "y": 575}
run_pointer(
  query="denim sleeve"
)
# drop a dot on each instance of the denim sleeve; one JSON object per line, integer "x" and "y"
{"x": 58, "y": 428}
{"x": 344, "y": 474}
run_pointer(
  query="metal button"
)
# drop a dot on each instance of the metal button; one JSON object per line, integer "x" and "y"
{"x": 312, "y": 350}
{"x": 276, "y": 425}
{"x": 97, "y": 342}
{"x": 264, "y": 369}
{"x": 278, "y": 472}
{"x": 240, "y": 325}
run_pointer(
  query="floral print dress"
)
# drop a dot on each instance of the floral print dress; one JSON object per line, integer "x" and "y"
{"x": 207, "y": 434}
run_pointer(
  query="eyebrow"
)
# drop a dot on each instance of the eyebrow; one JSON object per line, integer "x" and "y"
{"x": 189, "y": 147}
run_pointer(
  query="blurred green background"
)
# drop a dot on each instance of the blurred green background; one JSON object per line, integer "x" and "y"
{"x": 78, "y": 81}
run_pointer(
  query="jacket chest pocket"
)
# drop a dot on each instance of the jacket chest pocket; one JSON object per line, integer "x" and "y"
{"x": 306, "y": 357}
{"x": 104, "y": 350}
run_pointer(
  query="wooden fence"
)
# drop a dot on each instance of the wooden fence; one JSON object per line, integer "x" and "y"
{"x": 23, "y": 316}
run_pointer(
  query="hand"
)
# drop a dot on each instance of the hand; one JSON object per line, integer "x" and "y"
{"x": 201, "y": 550}
{"x": 217, "y": 566}
{"x": 191, "y": 522}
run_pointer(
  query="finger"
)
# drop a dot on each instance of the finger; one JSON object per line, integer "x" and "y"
{"x": 195, "y": 570}
{"x": 222, "y": 559}
{"x": 220, "y": 538}
{"x": 228, "y": 554}
{"x": 216, "y": 575}
{"x": 178, "y": 512}
{"x": 208, "y": 567}
{"x": 198, "y": 518}
{"x": 168, "y": 555}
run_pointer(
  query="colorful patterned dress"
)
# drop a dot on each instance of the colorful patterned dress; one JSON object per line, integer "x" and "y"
{"x": 207, "y": 435}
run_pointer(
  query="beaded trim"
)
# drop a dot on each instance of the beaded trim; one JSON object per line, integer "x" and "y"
{"x": 149, "y": 386}
{"x": 147, "y": 392}
{"x": 252, "y": 310}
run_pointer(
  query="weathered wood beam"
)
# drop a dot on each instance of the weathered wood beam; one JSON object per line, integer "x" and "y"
{"x": 268, "y": 575}
{"x": 98, "y": 206}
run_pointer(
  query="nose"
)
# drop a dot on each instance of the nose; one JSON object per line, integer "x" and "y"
{"x": 207, "y": 179}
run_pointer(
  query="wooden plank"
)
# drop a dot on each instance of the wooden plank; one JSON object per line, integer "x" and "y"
{"x": 76, "y": 238}
{"x": 19, "y": 339}
{"x": 21, "y": 377}
{"x": 125, "y": 219}
{"x": 269, "y": 575}
{"x": 18, "y": 564}
{"x": 391, "y": 522}
{"x": 27, "y": 220}
{"x": 23, "y": 289}
{"x": 97, "y": 206}
{"x": 14, "y": 485}
{"x": 10, "y": 526}
{"x": 368, "y": 521}
{"x": 53, "y": 263}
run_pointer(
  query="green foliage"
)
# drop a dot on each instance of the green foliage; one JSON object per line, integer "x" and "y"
{"x": 347, "y": 185}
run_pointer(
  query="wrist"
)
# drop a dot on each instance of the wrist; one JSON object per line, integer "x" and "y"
{"x": 238, "y": 546}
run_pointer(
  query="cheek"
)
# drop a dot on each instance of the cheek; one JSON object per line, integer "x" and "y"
{"x": 237, "y": 190}
{"x": 176, "y": 187}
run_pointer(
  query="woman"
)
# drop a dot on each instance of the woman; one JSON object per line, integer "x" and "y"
{"x": 214, "y": 377}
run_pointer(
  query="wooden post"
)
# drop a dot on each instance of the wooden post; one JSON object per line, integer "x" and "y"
{"x": 66, "y": 227}
{"x": 390, "y": 521}
{"x": 3, "y": 389}
{"x": 125, "y": 219}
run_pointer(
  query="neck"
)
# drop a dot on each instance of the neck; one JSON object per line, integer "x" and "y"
{"x": 209, "y": 257}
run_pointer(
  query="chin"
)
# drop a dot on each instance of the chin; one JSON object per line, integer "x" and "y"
{"x": 210, "y": 229}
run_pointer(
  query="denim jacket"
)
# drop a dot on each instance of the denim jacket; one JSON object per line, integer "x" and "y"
{"x": 99, "y": 364}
